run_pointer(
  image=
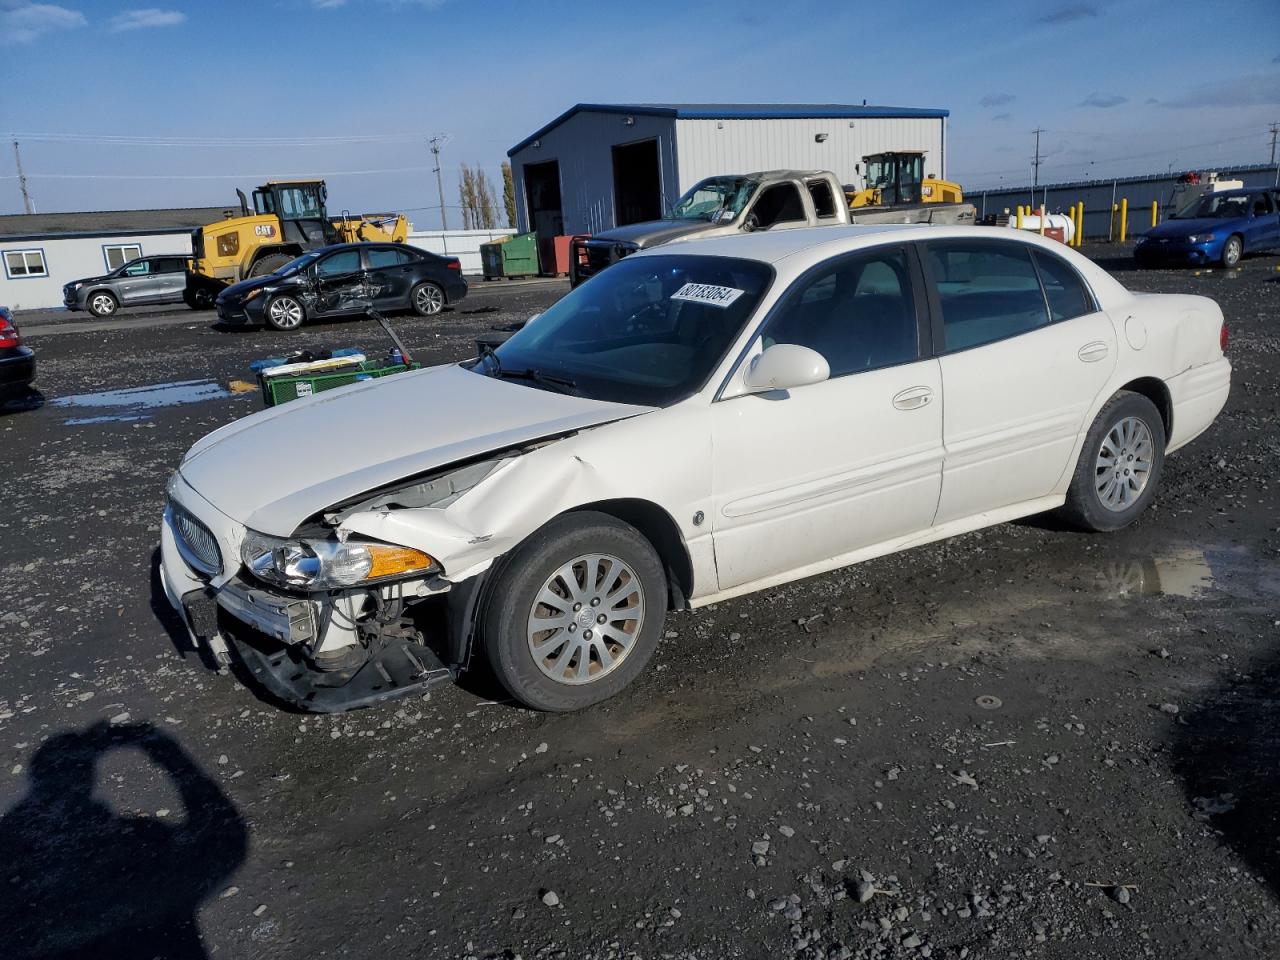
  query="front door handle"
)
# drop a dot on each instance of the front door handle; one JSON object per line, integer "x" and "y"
{"x": 1093, "y": 352}
{"x": 913, "y": 398}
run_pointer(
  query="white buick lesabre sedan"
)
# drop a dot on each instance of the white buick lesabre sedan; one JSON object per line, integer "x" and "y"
{"x": 693, "y": 424}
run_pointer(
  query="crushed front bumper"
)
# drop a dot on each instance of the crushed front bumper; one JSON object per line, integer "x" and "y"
{"x": 268, "y": 633}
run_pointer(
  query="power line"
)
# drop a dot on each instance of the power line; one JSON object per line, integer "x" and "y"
{"x": 125, "y": 140}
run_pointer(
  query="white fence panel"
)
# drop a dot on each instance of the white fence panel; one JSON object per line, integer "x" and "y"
{"x": 463, "y": 244}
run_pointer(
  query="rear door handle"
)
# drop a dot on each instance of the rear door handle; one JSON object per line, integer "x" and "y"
{"x": 1093, "y": 352}
{"x": 913, "y": 398}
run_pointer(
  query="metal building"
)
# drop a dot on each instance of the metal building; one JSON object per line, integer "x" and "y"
{"x": 598, "y": 166}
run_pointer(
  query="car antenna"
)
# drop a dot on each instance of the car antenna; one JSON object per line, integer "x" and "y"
{"x": 404, "y": 351}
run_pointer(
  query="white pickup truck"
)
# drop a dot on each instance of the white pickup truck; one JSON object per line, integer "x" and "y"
{"x": 743, "y": 203}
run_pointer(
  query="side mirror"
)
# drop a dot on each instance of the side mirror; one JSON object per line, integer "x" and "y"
{"x": 785, "y": 366}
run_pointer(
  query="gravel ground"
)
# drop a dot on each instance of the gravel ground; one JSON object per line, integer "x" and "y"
{"x": 1025, "y": 742}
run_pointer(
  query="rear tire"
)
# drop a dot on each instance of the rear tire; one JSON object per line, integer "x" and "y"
{"x": 427, "y": 299}
{"x": 1120, "y": 465}
{"x": 200, "y": 298}
{"x": 269, "y": 264}
{"x": 599, "y": 587}
{"x": 103, "y": 303}
{"x": 1232, "y": 250}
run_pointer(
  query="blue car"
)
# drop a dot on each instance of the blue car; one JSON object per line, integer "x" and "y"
{"x": 1216, "y": 228}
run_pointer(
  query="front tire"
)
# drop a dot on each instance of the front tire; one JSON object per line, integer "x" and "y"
{"x": 284, "y": 313}
{"x": 201, "y": 298}
{"x": 1232, "y": 250}
{"x": 575, "y": 613}
{"x": 427, "y": 299}
{"x": 1120, "y": 465}
{"x": 269, "y": 264}
{"x": 103, "y": 303}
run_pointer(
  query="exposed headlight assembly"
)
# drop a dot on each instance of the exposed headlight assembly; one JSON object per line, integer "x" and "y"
{"x": 1200, "y": 238}
{"x": 307, "y": 564}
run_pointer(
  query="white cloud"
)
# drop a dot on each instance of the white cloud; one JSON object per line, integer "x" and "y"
{"x": 328, "y": 4}
{"x": 145, "y": 19}
{"x": 23, "y": 22}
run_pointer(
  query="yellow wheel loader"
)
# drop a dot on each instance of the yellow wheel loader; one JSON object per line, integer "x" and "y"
{"x": 898, "y": 191}
{"x": 287, "y": 218}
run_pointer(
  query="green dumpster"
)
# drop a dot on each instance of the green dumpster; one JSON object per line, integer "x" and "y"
{"x": 510, "y": 257}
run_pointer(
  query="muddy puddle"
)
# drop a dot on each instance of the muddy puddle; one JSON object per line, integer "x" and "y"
{"x": 135, "y": 403}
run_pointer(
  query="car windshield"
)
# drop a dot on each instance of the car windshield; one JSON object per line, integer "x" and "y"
{"x": 1218, "y": 206}
{"x": 716, "y": 198}
{"x": 300, "y": 263}
{"x": 649, "y": 330}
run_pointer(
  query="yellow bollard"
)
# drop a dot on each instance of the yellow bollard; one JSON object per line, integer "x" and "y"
{"x": 1111, "y": 228}
{"x": 1019, "y": 216}
{"x": 1080, "y": 222}
{"x": 1124, "y": 219}
{"x": 1042, "y": 219}
{"x": 1075, "y": 224}
{"x": 1155, "y": 212}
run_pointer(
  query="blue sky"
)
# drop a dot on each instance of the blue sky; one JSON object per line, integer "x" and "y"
{"x": 120, "y": 105}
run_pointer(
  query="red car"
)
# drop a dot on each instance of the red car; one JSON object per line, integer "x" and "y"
{"x": 17, "y": 362}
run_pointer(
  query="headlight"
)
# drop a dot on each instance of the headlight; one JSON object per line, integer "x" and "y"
{"x": 251, "y": 294}
{"x": 1200, "y": 238}
{"x": 305, "y": 564}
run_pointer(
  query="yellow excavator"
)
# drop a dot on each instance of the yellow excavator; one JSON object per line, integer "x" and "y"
{"x": 287, "y": 218}
{"x": 896, "y": 179}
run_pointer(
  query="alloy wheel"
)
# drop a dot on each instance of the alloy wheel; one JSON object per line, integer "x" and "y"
{"x": 1123, "y": 465}
{"x": 103, "y": 304}
{"x": 585, "y": 619}
{"x": 429, "y": 299}
{"x": 285, "y": 313}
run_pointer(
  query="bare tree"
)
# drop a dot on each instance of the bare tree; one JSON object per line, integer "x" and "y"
{"x": 467, "y": 191}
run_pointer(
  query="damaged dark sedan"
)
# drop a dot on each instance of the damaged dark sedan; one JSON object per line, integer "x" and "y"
{"x": 344, "y": 279}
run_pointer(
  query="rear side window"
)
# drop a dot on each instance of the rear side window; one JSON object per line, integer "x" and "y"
{"x": 386, "y": 257}
{"x": 168, "y": 265}
{"x": 1063, "y": 288}
{"x": 988, "y": 291}
{"x": 824, "y": 204}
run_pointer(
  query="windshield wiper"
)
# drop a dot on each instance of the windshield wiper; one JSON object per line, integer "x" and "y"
{"x": 559, "y": 384}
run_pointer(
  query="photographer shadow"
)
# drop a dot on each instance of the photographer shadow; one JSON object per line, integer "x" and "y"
{"x": 85, "y": 881}
{"x": 1227, "y": 753}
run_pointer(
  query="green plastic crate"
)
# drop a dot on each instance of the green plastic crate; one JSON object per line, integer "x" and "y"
{"x": 282, "y": 389}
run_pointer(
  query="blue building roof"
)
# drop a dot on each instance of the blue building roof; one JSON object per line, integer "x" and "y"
{"x": 737, "y": 111}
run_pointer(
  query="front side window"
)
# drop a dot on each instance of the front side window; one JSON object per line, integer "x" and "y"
{"x": 139, "y": 268}
{"x": 778, "y": 204}
{"x": 22, "y": 264}
{"x": 988, "y": 291}
{"x": 119, "y": 254}
{"x": 1067, "y": 295}
{"x": 649, "y": 330}
{"x": 1261, "y": 205}
{"x": 300, "y": 203}
{"x": 858, "y": 312}
{"x": 340, "y": 264}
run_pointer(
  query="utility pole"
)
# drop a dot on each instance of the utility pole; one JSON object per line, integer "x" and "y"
{"x": 1275, "y": 129}
{"x": 437, "y": 142}
{"x": 1035, "y": 165}
{"x": 22, "y": 180}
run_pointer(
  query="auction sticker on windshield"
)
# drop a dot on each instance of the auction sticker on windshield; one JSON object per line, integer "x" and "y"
{"x": 707, "y": 293}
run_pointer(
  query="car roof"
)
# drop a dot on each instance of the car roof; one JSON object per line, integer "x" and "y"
{"x": 773, "y": 246}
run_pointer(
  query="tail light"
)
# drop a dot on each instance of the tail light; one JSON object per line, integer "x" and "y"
{"x": 1223, "y": 337}
{"x": 453, "y": 264}
{"x": 8, "y": 332}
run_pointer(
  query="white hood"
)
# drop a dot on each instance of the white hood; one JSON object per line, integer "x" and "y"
{"x": 273, "y": 469}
